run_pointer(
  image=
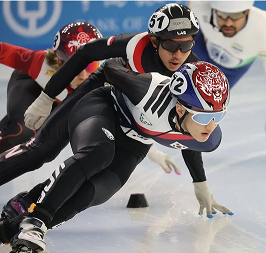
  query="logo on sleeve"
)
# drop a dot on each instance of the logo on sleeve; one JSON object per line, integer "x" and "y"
{"x": 178, "y": 145}
{"x": 144, "y": 120}
{"x": 108, "y": 134}
{"x": 49, "y": 72}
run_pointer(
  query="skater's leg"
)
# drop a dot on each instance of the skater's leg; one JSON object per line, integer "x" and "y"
{"x": 22, "y": 90}
{"x": 90, "y": 145}
{"x": 100, "y": 187}
{"x": 50, "y": 139}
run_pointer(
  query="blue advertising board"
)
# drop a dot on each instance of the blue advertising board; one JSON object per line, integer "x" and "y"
{"x": 33, "y": 24}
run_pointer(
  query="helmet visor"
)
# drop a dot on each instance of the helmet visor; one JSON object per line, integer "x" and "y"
{"x": 172, "y": 46}
{"x": 204, "y": 118}
{"x": 233, "y": 16}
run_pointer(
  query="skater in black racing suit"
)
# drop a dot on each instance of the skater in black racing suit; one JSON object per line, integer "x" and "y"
{"x": 143, "y": 52}
{"x": 142, "y": 55}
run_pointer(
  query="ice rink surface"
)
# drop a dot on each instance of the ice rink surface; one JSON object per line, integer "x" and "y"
{"x": 236, "y": 177}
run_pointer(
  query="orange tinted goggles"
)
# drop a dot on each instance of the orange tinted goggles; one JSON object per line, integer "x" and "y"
{"x": 92, "y": 66}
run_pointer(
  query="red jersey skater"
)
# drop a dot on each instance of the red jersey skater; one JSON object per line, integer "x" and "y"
{"x": 33, "y": 69}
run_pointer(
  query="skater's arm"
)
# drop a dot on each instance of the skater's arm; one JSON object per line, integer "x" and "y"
{"x": 133, "y": 84}
{"x": 28, "y": 61}
{"x": 193, "y": 160}
{"x": 100, "y": 49}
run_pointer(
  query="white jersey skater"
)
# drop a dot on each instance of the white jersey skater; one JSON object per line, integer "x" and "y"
{"x": 236, "y": 51}
{"x": 233, "y": 55}
{"x": 147, "y": 110}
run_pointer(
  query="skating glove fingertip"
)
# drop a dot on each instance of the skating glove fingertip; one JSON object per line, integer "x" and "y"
{"x": 229, "y": 213}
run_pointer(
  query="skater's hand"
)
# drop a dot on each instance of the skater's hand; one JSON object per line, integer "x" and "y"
{"x": 38, "y": 111}
{"x": 207, "y": 201}
{"x": 164, "y": 160}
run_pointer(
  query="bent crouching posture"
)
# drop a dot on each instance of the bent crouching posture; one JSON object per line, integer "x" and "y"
{"x": 108, "y": 133}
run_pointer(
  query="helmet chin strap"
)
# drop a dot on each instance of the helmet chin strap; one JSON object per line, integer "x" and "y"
{"x": 212, "y": 21}
{"x": 180, "y": 121}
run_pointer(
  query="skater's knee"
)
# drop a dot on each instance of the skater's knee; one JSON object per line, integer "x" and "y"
{"x": 106, "y": 184}
{"x": 91, "y": 132}
{"x": 93, "y": 159}
{"x": 14, "y": 134}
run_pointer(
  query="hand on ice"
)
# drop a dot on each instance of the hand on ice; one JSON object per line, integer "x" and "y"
{"x": 207, "y": 201}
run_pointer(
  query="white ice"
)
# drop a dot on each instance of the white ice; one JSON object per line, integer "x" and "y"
{"x": 236, "y": 176}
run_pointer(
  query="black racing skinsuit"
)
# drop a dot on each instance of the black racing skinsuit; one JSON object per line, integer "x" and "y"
{"x": 53, "y": 136}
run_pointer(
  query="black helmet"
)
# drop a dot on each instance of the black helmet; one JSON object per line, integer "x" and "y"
{"x": 173, "y": 20}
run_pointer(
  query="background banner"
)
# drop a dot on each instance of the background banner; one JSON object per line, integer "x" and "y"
{"x": 33, "y": 24}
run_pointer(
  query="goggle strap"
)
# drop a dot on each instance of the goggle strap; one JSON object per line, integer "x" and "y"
{"x": 180, "y": 121}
